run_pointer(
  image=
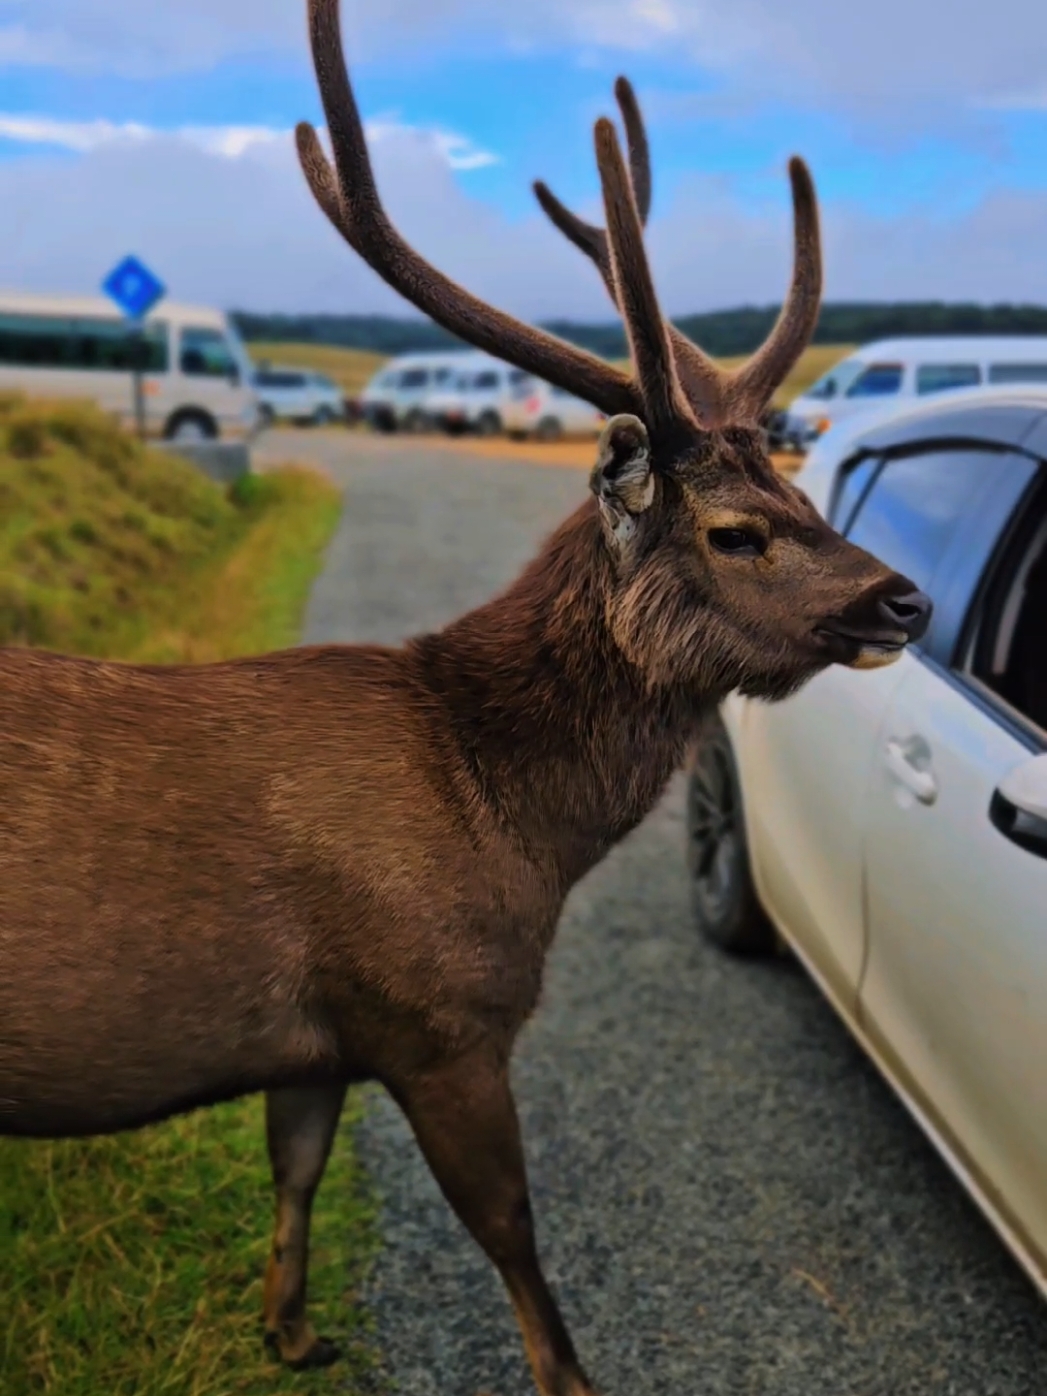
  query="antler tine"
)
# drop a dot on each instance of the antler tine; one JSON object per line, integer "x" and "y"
{"x": 751, "y": 386}
{"x": 700, "y": 378}
{"x": 351, "y": 202}
{"x": 634, "y": 289}
{"x": 586, "y": 236}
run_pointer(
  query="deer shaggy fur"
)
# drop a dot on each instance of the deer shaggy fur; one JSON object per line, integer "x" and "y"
{"x": 292, "y": 872}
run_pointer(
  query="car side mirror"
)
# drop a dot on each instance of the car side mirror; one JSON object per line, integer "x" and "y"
{"x": 1018, "y": 808}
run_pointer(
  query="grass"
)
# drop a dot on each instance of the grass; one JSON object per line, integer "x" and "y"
{"x": 132, "y": 1264}
{"x": 351, "y": 369}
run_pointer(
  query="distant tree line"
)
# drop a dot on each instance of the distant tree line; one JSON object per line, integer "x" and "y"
{"x": 720, "y": 332}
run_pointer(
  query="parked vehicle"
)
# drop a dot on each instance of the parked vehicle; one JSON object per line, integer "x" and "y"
{"x": 395, "y": 398}
{"x": 546, "y": 413}
{"x": 902, "y": 369}
{"x": 197, "y": 374}
{"x": 297, "y": 395}
{"x": 477, "y": 397}
{"x": 891, "y": 826}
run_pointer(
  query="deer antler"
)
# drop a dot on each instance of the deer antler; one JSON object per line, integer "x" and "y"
{"x": 349, "y": 197}
{"x": 715, "y": 395}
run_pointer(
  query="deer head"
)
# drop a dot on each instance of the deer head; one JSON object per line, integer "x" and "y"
{"x": 722, "y": 574}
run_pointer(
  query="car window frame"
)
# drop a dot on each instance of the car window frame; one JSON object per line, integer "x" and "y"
{"x": 964, "y": 571}
{"x": 1023, "y": 728}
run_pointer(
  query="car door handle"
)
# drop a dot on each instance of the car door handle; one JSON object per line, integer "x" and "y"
{"x": 900, "y": 759}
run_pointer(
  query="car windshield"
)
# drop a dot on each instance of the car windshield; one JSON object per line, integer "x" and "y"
{"x": 836, "y": 381}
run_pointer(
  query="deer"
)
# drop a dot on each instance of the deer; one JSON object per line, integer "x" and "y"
{"x": 333, "y": 864}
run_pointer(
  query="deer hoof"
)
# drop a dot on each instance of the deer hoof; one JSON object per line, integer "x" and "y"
{"x": 322, "y": 1353}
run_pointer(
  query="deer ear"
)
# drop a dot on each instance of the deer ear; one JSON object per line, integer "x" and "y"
{"x": 622, "y": 478}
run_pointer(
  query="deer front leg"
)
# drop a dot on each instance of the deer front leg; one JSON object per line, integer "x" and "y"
{"x": 464, "y": 1118}
{"x": 299, "y": 1127}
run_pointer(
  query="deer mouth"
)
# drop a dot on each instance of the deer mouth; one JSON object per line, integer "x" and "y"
{"x": 871, "y": 649}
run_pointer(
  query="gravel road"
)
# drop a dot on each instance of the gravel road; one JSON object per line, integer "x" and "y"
{"x": 729, "y": 1200}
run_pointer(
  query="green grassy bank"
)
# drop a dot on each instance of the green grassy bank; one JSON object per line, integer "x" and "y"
{"x": 132, "y": 1265}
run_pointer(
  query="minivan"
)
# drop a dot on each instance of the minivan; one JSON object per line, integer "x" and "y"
{"x": 897, "y": 369}
{"x": 196, "y": 374}
{"x": 395, "y": 398}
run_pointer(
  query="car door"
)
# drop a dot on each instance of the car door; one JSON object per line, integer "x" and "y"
{"x": 804, "y": 765}
{"x": 807, "y": 763}
{"x": 954, "y": 995}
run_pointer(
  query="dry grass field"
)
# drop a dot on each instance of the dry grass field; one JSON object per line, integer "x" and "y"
{"x": 351, "y": 368}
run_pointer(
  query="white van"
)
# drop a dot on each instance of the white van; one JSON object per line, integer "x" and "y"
{"x": 197, "y": 379}
{"x": 395, "y": 399}
{"x": 477, "y": 397}
{"x": 897, "y": 369}
{"x": 539, "y": 410}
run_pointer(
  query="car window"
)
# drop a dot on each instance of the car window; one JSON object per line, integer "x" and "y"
{"x": 878, "y": 380}
{"x": 53, "y": 341}
{"x": 850, "y": 490}
{"x": 487, "y": 379}
{"x": 1018, "y": 373}
{"x": 205, "y": 353}
{"x": 1008, "y": 653}
{"x": 936, "y": 378}
{"x": 518, "y": 377}
{"x": 836, "y": 381}
{"x": 414, "y": 378}
{"x": 913, "y": 506}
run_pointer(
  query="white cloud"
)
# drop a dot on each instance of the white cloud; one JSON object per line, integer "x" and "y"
{"x": 239, "y": 228}
{"x": 229, "y": 141}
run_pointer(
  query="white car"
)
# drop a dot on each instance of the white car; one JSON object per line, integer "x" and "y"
{"x": 538, "y": 409}
{"x": 890, "y": 826}
{"x": 477, "y": 398}
{"x": 297, "y": 395}
{"x": 894, "y": 370}
{"x": 396, "y": 398}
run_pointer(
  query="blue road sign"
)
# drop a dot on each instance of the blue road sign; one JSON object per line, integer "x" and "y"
{"x": 134, "y": 288}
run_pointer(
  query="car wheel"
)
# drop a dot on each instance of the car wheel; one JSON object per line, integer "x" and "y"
{"x": 723, "y": 898}
{"x": 323, "y": 416}
{"x": 191, "y": 426}
{"x": 488, "y": 424}
{"x": 266, "y": 415}
{"x": 549, "y": 429}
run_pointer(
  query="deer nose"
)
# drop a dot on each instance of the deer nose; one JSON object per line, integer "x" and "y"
{"x": 910, "y": 613}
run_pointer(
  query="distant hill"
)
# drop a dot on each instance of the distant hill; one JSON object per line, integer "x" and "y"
{"x": 720, "y": 332}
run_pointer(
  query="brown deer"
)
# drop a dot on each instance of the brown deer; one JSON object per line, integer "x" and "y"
{"x": 343, "y": 863}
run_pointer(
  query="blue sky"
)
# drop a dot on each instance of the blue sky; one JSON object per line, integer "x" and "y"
{"x": 164, "y": 128}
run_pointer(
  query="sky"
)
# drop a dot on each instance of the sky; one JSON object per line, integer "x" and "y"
{"x": 164, "y": 129}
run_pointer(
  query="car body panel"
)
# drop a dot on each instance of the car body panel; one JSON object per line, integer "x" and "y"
{"x": 924, "y": 926}
{"x": 957, "y": 962}
{"x": 538, "y": 402}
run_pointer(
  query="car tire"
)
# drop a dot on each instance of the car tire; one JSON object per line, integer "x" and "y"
{"x": 266, "y": 415}
{"x": 488, "y": 424}
{"x": 726, "y": 908}
{"x": 549, "y": 429}
{"x": 191, "y": 425}
{"x": 323, "y": 416}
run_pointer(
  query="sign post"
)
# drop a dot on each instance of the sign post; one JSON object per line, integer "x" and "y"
{"x": 135, "y": 290}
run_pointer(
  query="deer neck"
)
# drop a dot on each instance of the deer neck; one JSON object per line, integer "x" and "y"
{"x": 568, "y": 744}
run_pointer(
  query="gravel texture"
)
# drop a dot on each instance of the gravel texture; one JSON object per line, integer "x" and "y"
{"x": 728, "y": 1198}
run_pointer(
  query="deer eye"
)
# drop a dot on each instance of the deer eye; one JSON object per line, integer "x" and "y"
{"x": 737, "y": 542}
